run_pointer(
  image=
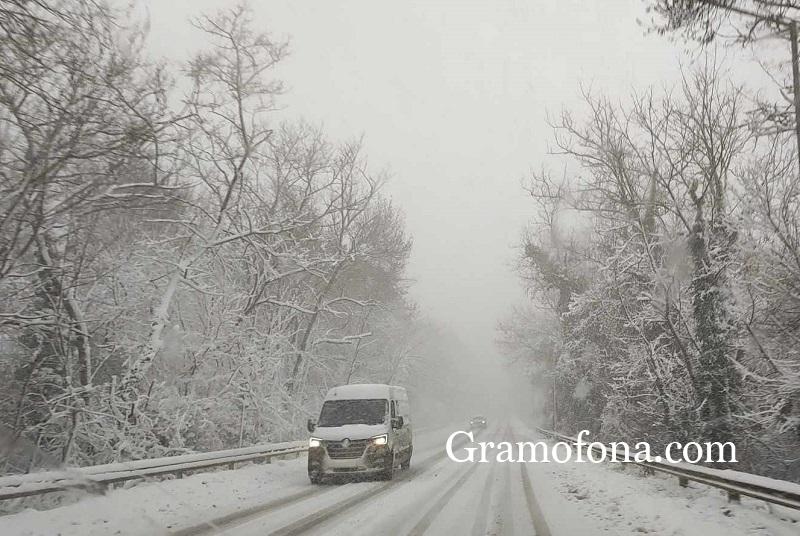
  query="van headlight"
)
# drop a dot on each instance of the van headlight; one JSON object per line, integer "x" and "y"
{"x": 314, "y": 442}
{"x": 380, "y": 440}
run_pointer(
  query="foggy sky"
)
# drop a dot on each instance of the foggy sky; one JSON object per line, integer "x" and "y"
{"x": 452, "y": 98}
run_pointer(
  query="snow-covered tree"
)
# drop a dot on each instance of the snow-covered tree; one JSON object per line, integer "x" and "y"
{"x": 686, "y": 219}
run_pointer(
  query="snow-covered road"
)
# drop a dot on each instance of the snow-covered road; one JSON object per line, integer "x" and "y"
{"x": 430, "y": 497}
{"x": 435, "y": 496}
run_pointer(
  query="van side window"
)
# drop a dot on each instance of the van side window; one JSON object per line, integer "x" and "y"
{"x": 394, "y": 410}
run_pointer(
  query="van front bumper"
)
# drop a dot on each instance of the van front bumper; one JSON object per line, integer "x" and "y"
{"x": 374, "y": 459}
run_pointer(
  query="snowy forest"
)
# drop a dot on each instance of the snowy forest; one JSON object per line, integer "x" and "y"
{"x": 179, "y": 270}
{"x": 185, "y": 267}
{"x": 664, "y": 266}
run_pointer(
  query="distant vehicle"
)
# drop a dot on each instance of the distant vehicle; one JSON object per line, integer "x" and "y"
{"x": 478, "y": 421}
{"x": 363, "y": 429}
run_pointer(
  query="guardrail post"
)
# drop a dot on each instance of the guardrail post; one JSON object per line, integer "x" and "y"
{"x": 683, "y": 481}
{"x": 232, "y": 466}
{"x": 179, "y": 474}
{"x": 734, "y": 497}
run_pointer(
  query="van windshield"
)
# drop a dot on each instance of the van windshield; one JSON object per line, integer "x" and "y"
{"x": 362, "y": 411}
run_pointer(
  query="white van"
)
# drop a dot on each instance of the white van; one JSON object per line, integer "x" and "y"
{"x": 362, "y": 429}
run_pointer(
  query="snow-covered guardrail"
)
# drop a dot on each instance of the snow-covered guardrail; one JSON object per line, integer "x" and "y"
{"x": 98, "y": 477}
{"x": 735, "y": 483}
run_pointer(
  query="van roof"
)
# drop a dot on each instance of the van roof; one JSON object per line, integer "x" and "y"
{"x": 365, "y": 390}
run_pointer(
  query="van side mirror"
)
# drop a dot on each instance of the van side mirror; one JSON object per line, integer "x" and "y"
{"x": 397, "y": 422}
{"x": 311, "y": 425}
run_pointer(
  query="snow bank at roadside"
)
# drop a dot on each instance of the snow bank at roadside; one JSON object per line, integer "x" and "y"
{"x": 160, "y": 507}
{"x": 620, "y": 500}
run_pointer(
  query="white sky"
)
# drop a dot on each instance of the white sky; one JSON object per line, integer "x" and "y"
{"x": 452, "y": 98}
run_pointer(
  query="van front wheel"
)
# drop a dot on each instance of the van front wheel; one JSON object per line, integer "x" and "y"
{"x": 388, "y": 472}
{"x": 407, "y": 464}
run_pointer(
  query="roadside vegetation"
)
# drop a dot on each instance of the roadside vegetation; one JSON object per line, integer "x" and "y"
{"x": 664, "y": 266}
{"x": 179, "y": 270}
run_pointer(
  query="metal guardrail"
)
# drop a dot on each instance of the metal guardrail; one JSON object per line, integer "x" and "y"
{"x": 99, "y": 477}
{"x": 734, "y": 483}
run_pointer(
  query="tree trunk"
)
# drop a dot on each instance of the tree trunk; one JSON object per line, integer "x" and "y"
{"x": 291, "y": 384}
{"x": 55, "y": 292}
{"x": 715, "y": 375}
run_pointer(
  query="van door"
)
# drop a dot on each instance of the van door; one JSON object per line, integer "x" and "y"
{"x": 403, "y": 435}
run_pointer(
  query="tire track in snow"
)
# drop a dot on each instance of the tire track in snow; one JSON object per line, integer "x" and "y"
{"x": 240, "y": 517}
{"x": 535, "y": 511}
{"x": 504, "y": 517}
{"x": 259, "y": 510}
{"x": 479, "y": 528}
{"x": 319, "y": 517}
{"x": 496, "y": 500}
{"x": 437, "y": 507}
{"x": 304, "y": 524}
{"x": 451, "y": 491}
{"x": 316, "y": 519}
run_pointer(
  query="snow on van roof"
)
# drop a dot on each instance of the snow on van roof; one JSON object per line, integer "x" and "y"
{"x": 362, "y": 390}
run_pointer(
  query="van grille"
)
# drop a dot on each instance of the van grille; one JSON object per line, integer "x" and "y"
{"x": 338, "y": 451}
